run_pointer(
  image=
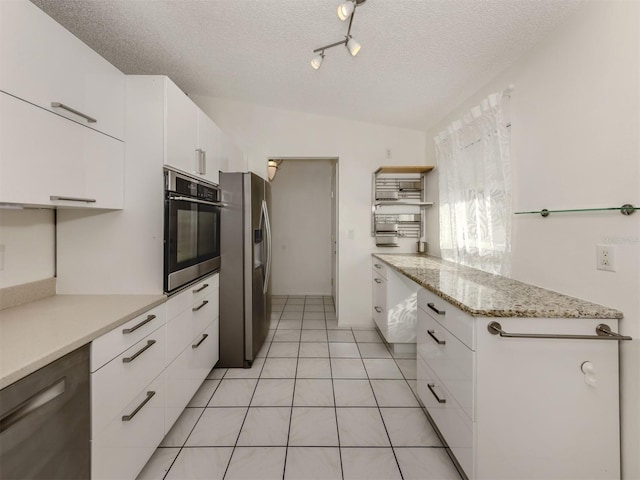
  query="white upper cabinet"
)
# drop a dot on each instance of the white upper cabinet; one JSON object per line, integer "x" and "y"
{"x": 209, "y": 136}
{"x": 46, "y": 65}
{"x": 181, "y": 130}
{"x": 192, "y": 140}
{"x": 51, "y": 162}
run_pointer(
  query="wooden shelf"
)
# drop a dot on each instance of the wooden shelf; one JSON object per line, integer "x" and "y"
{"x": 404, "y": 169}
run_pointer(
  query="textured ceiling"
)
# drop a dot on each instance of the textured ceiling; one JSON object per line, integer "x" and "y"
{"x": 418, "y": 56}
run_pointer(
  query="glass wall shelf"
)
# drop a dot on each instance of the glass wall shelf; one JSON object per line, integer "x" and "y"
{"x": 626, "y": 209}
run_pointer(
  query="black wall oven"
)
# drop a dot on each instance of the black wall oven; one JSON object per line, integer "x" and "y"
{"x": 191, "y": 229}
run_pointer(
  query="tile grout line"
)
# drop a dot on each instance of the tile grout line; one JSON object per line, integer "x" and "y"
{"x": 248, "y": 407}
{"x": 293, "y": 396}
{"x": 381, "y": 417}
{"x": 335, "y": 406}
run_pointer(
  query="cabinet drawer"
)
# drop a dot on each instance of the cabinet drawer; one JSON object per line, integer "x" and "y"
{"x": 115, "y": 384}
{"x": 459, "y": 323}
{"x": 379, "y": 266}
{"x": 42, "y": 63}
{"x": 184, "y": 328}
{"x": 122, "y": 449}
{"x": 189, "y": 369}
{"x": 192, "y": 296}
{"x": 454, "y": 425}
{"x": 56, "y": 158}
{"x": 110, "y": 345}
{"x": 450, "y": 360}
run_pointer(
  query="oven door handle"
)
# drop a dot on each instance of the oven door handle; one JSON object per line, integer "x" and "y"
{"x": 195, "y": 200}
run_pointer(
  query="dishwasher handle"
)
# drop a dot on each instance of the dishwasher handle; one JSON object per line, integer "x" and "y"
{"x": 32, "y": 404}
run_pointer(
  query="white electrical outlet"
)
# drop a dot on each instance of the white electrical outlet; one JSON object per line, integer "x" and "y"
{"x": 606, "y": 258}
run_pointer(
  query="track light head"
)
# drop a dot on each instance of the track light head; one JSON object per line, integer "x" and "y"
{"x": 317, "y": 60}
{"x": 353, "y": 46}
{"x": 346, "y": 9}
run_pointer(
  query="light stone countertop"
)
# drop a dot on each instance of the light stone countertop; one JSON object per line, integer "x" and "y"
{"x": 35, "y": 334}
{"x": 483, "y": 294}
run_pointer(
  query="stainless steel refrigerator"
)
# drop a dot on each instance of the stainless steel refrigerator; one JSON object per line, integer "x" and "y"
{"x": 245, "y": 251}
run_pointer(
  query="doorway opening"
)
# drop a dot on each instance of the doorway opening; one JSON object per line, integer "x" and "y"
{"x": 304, "y": 217}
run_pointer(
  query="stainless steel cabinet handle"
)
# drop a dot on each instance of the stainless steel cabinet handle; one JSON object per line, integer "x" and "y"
{"x": 202, "y": 161}
{"x": 142, "y": 323}
{"x": 204, "y": 337}
{"x": 197, "y": 290}
{"x": 32, "y": 404}
{"x": 438, "y": 341}
{"x": 204, "y": 302}
{"x": 139, "y": 352}
{"x": 377, "y": 309}
{"x": 74, "y": 111}
{"x": 126, "y": 418}
{"x": 432, "y": 306}
{"x": 73, "y": 199}
{"x": 603, "y": 332}
{"x": 433, "y": 392}
{"x": 377, "y": 280}
{"x": 377, "y": 265}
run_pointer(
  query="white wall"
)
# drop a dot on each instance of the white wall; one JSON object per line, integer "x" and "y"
{"x": 301, "y": 224}
{"x": 575, "y": 144}
{"x": 265, "y": 133}
{"x": 28, "y": 240}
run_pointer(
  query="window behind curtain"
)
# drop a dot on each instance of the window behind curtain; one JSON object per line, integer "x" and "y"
{"x": 475, "y": 189}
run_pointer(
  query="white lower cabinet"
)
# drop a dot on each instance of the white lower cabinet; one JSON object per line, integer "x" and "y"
{"x": 143, "y": 375}
{"x": 127, "y": 442}
{"x": 519, "y": 407}
{"x": 394, "y": 304}
{"x": 187, "y": 372}
{"x": 193, "y": 346}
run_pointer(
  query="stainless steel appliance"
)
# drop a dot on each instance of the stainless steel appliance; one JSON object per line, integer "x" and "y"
{"x": 245, "y": 303}
{"x": 45, "y": 422}
{"x": 191, "y": 229}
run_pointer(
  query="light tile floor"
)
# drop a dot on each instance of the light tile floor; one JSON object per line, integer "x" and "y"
{"x": 318, "y": 403}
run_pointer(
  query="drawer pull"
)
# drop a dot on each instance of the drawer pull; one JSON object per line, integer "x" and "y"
{"x": 139, "y": 352}
{"x": 603, "y": 332}
{"x": 126, "y": 418}
{"x": 377, "y": 265}
{"x": 198, "y": 290}
{"x": 432, "y": 306}
{"x": 204, "y": 337}
{"x": 204, "y": 302}
{"x": 73, "y": 110}
{"x": 377, "y": 309}
{"x": 438, "y": 341}
{"x": 142, "y": 323}
{"x": 377, "y": 280}
{"x": 433, "y": 392}
{"x": 72, "y": 199}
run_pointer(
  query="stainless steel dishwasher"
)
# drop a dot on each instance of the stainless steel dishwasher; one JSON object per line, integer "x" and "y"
{"x": 45, "y": 422}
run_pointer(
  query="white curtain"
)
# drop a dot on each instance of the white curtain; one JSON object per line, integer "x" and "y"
{"x": 475, "y": 189}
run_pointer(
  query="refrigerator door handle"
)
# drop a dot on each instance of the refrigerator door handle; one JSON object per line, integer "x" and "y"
{"x": 268, "y": 237}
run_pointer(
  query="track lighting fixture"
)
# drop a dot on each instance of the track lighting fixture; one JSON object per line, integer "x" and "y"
{"x": 317, "y": 60}
{"x": 345, "y": 10}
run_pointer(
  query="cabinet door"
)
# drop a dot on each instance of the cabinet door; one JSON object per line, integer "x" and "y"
{"x": 535, "y": 407}
{"x": 209, "y": 143}
{"x": 44, "y": 63}
{"x": 122, "y": 449}
{"x": 43, "y": 155}
{"x": 187, "y": 372}
{"x": 181, "y": 130}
